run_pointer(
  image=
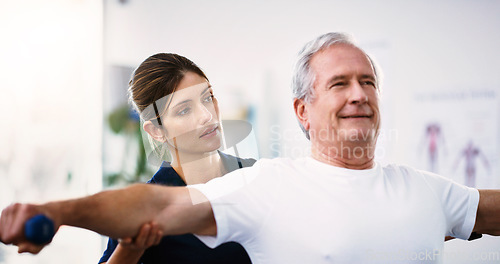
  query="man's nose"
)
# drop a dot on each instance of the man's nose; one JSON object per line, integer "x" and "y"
{"x": 357, "y": 95}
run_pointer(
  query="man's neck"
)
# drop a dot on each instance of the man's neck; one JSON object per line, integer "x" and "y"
{"x": 349, "y": 155}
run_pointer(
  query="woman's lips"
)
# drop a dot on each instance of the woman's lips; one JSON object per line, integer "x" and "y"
{"x": 210, "y": 131}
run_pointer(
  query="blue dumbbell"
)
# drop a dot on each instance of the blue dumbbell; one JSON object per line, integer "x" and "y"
{"x": 39, "y": 229}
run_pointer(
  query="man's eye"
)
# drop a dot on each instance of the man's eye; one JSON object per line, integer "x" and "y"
{"x": 339, "y": 84}
{"x": 368, "y": 83}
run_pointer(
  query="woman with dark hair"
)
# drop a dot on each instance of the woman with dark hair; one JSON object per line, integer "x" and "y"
{"x": 181, "y": 117}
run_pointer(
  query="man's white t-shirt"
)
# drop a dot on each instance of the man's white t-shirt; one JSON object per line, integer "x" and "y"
{"x": 306, "y": 211}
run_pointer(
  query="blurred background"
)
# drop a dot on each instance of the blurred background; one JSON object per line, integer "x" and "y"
{"x": 67, "y": 130}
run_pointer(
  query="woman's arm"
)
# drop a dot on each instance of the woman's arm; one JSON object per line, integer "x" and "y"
{"x": 124, "y": 256}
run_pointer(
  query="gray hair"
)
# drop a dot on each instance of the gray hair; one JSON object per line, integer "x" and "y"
{"x": 303, "y": 77}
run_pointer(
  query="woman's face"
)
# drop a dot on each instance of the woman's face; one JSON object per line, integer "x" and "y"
{"x": 192, "y": 117}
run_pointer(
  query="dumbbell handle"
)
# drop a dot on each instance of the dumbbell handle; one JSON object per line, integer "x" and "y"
{"x": 39, "y": 229}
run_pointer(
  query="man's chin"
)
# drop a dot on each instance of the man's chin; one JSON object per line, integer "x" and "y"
{"x": 357, "y": 135}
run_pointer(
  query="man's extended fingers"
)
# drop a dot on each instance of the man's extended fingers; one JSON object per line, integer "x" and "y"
{"x": 18, "y": 215}
{"x": 12, "y": 222}
{"x": 7, "y": 219}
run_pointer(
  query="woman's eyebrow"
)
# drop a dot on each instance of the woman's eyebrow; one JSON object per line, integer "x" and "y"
{"x": 182, "y": 102}
{"x": 205, "y": 90}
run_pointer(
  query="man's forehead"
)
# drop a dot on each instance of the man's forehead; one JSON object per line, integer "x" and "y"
{"x": 339, "y": 53}
{"x": 342, "y": 57}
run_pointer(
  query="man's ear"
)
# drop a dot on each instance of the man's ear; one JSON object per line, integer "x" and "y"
{"x": 155, "y": 132}
{"x": 301, "y": 112}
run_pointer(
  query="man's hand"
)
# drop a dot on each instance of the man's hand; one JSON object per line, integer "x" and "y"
{"x": 12, "y": 222}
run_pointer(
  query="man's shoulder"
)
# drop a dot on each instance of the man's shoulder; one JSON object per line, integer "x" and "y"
{"x": 402, "y": 170}
{"x": 407, "y": 171}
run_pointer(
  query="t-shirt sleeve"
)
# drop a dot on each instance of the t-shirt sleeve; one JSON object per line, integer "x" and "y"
{"x": 459, "y": 204}
{"x": 237, "y": 203}
{"x": 112, "y": 244}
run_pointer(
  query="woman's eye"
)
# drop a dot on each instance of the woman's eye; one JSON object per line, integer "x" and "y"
{"x": 209, "y": 98}
{"x": 183, "y": 112}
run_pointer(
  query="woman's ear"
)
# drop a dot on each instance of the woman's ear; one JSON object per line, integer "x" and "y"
{"x": 157, "y": 133}
{"x": 301, "y": 112}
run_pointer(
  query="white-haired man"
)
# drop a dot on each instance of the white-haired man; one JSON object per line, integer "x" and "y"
{"x": 337, "y": 206}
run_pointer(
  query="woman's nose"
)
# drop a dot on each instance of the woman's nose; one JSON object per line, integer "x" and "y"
{"x": 205, "y": 115}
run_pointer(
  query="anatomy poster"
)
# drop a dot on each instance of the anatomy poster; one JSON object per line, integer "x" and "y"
{"x": 456, "y": 134}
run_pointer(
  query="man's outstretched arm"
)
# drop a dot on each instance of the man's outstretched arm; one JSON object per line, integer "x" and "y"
{"x": 117, "y": 213}
{"x": 488, "y": 213}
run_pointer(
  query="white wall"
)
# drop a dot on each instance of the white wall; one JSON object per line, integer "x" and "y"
{"x": 51, "y": 105}
{"x": 248, "y": 48}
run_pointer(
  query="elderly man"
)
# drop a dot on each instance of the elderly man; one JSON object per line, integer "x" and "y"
{"x": 337, "y": 206}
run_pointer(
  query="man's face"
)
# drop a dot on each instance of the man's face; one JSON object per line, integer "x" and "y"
{"x": 345, "y": 106}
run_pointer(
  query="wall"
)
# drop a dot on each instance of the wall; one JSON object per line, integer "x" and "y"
{"x": 51, "y": 125}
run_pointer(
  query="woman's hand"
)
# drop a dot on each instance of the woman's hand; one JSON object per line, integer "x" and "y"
{"x": 149, "y": 235}
{"x": 129, "y": 251}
